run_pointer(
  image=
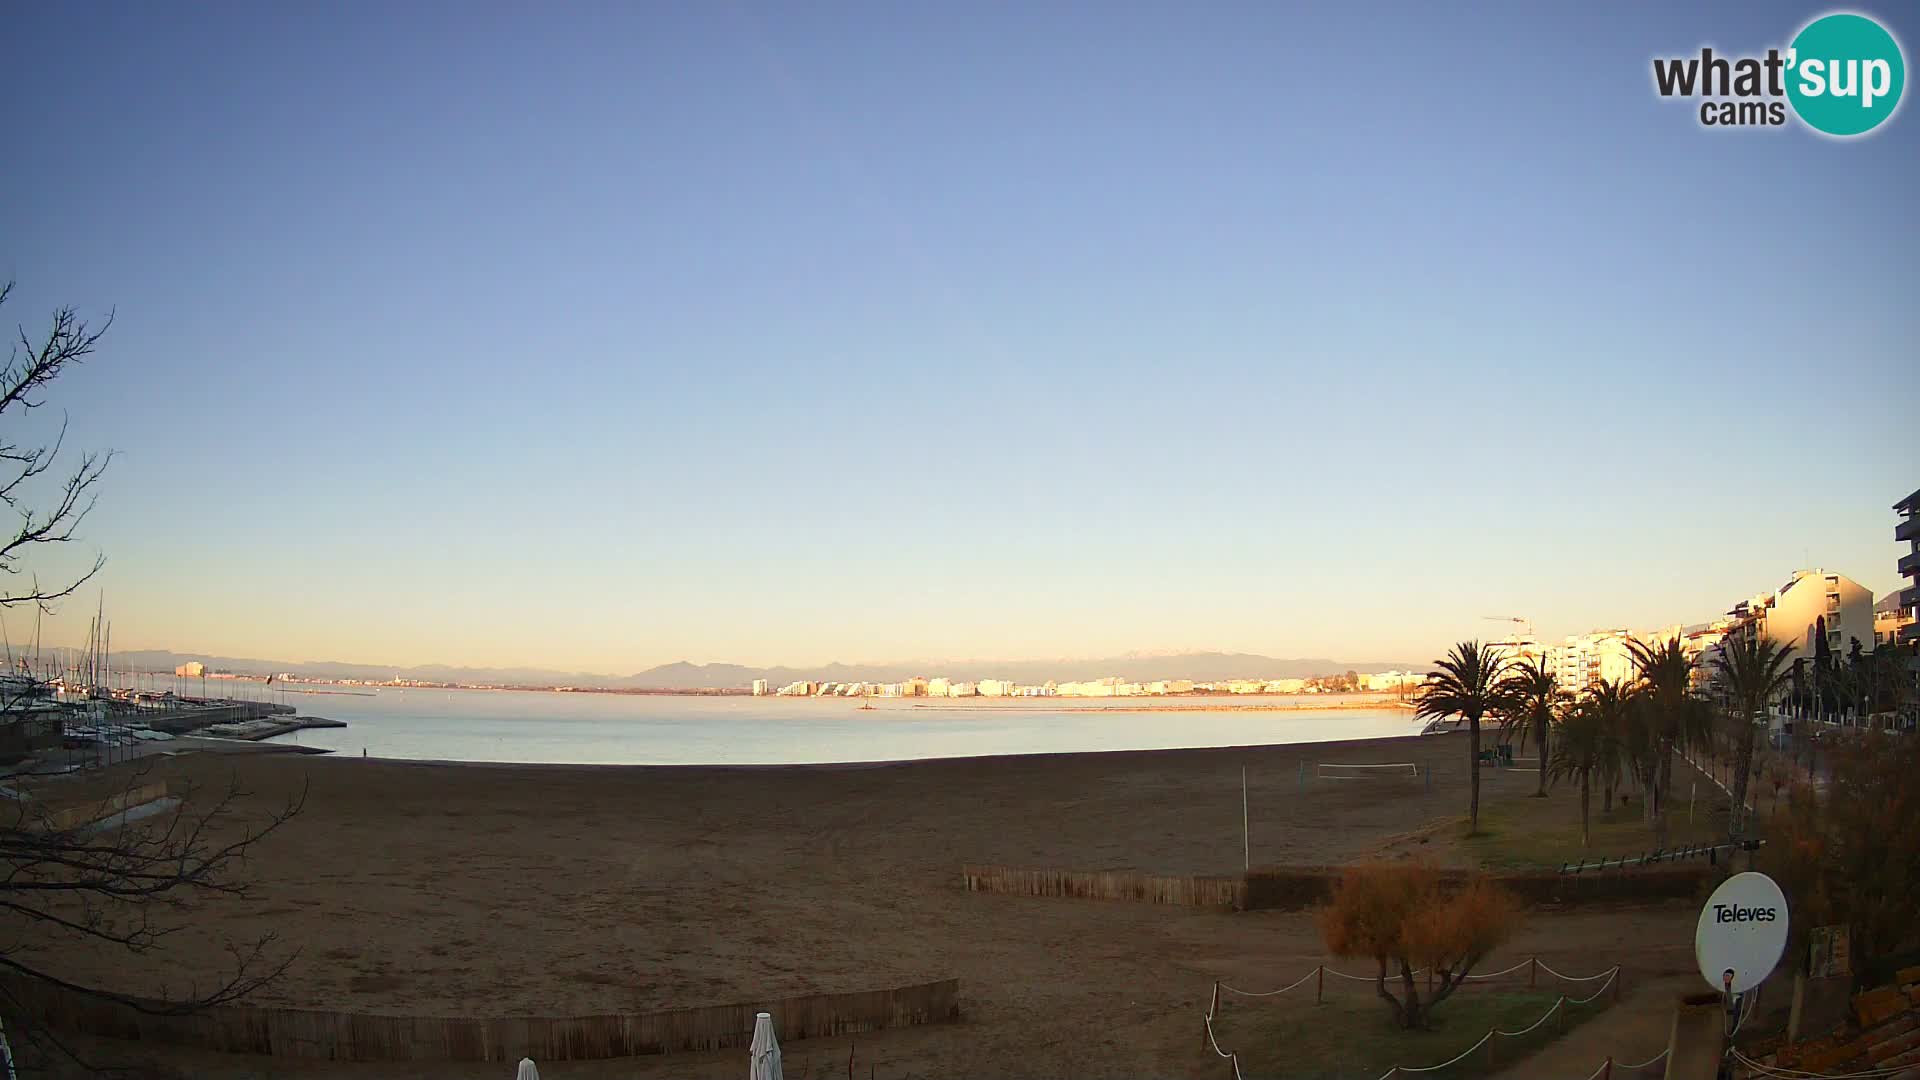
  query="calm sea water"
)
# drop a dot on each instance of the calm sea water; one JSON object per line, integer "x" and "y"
{"x": 622, "y": 729}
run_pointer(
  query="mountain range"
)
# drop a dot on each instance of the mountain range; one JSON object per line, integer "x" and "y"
{"x": 684, "y": 675}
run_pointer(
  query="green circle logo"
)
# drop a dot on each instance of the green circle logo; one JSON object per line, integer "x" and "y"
{"x": 1845, "y": 74}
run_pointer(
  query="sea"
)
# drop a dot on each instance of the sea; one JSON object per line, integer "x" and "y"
{"x": 632, "y": 729}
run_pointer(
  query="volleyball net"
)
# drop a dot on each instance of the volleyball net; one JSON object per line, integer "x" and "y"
{"x": 1398, "y": 770}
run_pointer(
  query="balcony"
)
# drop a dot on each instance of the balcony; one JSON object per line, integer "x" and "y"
{"x": 1910, "y": 565}
{"x": 1907, "y": 530}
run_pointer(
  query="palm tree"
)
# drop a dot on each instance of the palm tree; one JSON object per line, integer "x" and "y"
{"x": 1533, "y": 702}
{"x": 1617, "y": 704}
{"x": 1640, "y": 746}
{"x": 1586, "y": 748}
{"x": 1466, "y": 685}
{"x": 1749, "y": 673}
{"x": 1677, "y": 716}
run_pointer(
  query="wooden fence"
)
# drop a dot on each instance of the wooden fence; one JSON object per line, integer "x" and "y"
{"x": 1226, "y": 892}
{"x": 335, "y": 1036}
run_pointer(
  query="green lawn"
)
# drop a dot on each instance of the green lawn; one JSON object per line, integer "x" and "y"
{"x": 1352, "y": 1036}
{"x": 1518, "y": 833}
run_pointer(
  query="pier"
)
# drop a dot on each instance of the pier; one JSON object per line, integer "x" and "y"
{"x": 256, "y": 730}
{"x": 191, "y": 715}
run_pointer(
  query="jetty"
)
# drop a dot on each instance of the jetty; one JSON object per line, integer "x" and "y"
{"x": 266, "y": 727}
{"x": 183, "y": 715}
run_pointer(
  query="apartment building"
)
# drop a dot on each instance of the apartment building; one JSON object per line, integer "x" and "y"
{"x": 1790, "y": 615}
{"x": 1891, "y": 619}
{"x": 1586, "y": 660}
{"x": 1908, "y": 532}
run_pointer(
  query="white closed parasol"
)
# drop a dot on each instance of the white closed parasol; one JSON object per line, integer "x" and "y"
{"x": 527, "y": 1071}
{"x": 765, "y": 1053}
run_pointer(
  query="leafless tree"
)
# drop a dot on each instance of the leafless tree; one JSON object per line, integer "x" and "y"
{"x": 32, "y": 363}
{"x": 94, "y": 873}
{"x": 100, "y": 860}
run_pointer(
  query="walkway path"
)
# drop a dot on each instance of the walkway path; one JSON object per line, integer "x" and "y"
{"x": 1631, "y": 1031}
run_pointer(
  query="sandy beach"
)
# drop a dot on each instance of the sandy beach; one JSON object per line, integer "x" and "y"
{"x": 450, "y": 889}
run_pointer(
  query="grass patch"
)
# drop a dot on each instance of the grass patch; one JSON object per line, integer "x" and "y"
{"x": 1352, "y": 1037}
{"x": 1530, "y": 834}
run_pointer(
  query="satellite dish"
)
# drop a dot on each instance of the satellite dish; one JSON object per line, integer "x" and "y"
{"x": 1742, "y": 933}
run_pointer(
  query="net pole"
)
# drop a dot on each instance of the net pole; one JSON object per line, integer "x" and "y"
{"x": 1303, "y": 778}
{"x": 1246, "y": 836}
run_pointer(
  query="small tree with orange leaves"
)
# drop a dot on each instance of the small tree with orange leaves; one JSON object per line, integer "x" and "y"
{"x": 1405, "y": 917}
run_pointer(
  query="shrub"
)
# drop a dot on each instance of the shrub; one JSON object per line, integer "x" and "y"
{"x": 1407, "y": 916}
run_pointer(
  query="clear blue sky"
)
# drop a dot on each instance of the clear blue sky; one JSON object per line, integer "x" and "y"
{"x": 806, "y": 332}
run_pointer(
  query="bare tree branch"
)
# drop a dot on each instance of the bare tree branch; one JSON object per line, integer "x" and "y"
{"x": 32, "y": 364}
{"x": 88, "y": 872}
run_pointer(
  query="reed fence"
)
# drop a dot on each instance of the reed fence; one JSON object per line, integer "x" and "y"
{"x": 1227, "y": 892}
{"x": 340, "y": 1036}
{"x": 1295, "y": 887}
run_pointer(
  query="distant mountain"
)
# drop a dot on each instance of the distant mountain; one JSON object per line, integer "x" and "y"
{"x": 164, "y": 660}
{"x": 683, "y": 675}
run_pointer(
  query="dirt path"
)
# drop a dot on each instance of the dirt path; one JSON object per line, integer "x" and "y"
{"x": 1631, "y": 1032}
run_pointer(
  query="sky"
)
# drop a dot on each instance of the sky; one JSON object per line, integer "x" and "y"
{"x": 602, "y": 338}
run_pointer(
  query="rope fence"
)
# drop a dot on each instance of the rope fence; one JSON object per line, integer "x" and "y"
{"x": 1233, "y": 1059}
{"x": 1797, "y": 1074}
{"x": 1323, "y": 970}
{"x": 1607, "y": 1067}
{"x": 1559, "y": 1003}
{"x": 1610, "y": 981}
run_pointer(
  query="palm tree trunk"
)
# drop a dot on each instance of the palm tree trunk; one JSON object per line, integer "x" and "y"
{"x": 1743, "y": 763}
{"x": 1586, "y": 802}
{"x": 1606, "y": 807}
{"x": 1473, "y": 771}
{"x": 1541, "y": 739}
{"x": 1664, "y": 784}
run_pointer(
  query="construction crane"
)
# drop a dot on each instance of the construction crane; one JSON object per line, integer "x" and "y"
{"x": 1518, "y": 620}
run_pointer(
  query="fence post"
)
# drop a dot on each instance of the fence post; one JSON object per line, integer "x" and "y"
{"x": 1320, "y": 986}
{"x": 1606, "y": 1071}
{"x": 1533, "y": 973}
{"x": 1489, "y": 1049}
{"x": 1617, "y": 980}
